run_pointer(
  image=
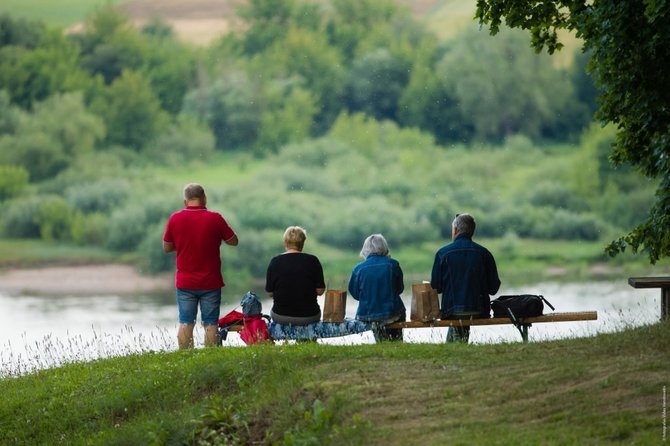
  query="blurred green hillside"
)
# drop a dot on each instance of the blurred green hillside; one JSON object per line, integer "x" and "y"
{"x": 347, "y": 117}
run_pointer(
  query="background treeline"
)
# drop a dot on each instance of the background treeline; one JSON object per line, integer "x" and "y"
{"x": 347, "y": 117}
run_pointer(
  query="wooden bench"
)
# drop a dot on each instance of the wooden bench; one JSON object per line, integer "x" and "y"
{"x": 655, "y": 282}
{"x": 525, "y": 324}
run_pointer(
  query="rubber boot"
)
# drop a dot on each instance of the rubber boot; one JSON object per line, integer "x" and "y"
{"x": 211, "y": 335}
{"x": 185, "y": 336}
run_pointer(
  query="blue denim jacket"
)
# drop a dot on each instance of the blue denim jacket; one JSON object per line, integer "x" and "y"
{"x": 377, "y": 284}
{"x": 466, "y": 274}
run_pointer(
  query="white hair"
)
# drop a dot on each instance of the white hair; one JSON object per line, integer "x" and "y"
{"x": 375, "y": 244}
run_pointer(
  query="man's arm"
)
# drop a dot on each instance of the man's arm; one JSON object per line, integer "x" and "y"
{"x": 436, "y": 274}
{"x": 494, "y": 279}
{"x": 233, "y": 241}
{"x": 168, "y": 246}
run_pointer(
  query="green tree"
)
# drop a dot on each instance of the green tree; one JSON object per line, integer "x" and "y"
{"x": 376, "y": 82}
{"x": 230, "y": 105}
{"x": 267, "y": 21}
{"x": 352, "y": 21}
{"x": 30, "y": 74}
{"x": 319, "y": 68}
{"x": 171, "y": 70}
{"x": 630, "y": 44}
{"x": 9, "y": 114}
{"x": 46, "y": 141}
{"x": 110, "y": 44}
{"x": 67, "y": 120}
{"x": 288, "y": 117}
{"x": 501, "y": 88}
{"x": 131, "y": 111}
{"x": 19, "y": 32}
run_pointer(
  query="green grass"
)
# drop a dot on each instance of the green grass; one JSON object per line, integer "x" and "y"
{"x": 222, "y": 170}
{"x": 599, "y": 390}
{"x": 62, "y": 12}
{"x": 31, "y": 252}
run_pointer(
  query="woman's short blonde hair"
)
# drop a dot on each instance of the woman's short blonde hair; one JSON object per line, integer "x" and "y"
{"x": 294, "y": 237}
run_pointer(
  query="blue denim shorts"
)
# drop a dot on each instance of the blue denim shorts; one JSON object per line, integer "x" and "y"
{"x": 209, "y": 300}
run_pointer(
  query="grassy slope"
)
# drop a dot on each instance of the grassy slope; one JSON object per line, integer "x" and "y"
{"x": 596, "y": 390}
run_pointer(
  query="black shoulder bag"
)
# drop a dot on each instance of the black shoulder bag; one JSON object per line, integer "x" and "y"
{"x": 519, "y": 306}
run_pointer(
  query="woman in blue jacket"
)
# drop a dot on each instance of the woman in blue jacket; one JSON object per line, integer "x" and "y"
{"x": 376, "y": 283}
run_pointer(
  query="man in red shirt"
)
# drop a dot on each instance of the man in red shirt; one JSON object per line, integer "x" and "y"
{"x": 196, "y": 233}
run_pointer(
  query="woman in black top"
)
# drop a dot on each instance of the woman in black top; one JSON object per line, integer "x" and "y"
{"x": 294, "y": 279}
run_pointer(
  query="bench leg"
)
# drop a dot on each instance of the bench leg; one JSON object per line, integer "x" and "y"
{"x": 665, "y": 304}
{"x": 524, "y": 332}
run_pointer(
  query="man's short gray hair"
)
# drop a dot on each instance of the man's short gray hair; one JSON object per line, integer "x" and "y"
{"x": 375, "y": 244}
{"x": 465, "y": 224}
{"x": 194, "y": 191}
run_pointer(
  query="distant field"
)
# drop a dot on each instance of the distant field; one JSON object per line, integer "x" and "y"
{"x": 61, "y": 12}
{"x": 200, "y": 21}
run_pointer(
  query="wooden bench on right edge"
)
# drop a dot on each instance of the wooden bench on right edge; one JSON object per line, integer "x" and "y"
{"x": 524, "y": 323}
{"x": 655, "y": 282}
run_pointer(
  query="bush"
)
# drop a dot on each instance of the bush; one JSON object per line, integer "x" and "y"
{"x": 90, "y": 229}
{"x": 556, "y": 196}
{"x": 565, "y": 225}
{"x": 155, "y": 260}
{"x": 129, "y": 225}
{"x": 127, "y": 228}
{"x": 99, "y": 196}
{"x": 357, "y": 218}
{"x": 254, "y": 252}
{"x": 184, "y": 142}
{"x": 13, "y": 179}
{"x": 521, "y": 220}
{"x": 20, "y": 218}
{"x": 268, "y": 209}
{"x": 55, "y": 219}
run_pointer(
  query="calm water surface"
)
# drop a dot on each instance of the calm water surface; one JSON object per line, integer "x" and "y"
{"x": 43, "y": 331}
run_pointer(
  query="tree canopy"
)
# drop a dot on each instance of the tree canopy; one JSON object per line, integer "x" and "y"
{"x": 629, "y": 43}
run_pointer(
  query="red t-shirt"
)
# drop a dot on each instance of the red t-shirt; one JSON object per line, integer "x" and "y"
{"x": 197, "y": 235}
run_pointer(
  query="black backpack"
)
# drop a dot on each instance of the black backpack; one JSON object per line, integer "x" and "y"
{"x": 519, "y": 306}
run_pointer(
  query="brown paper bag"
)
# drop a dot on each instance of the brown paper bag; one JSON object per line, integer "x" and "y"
{"x": 335, "y": 305}
{"x": 425, "y": 305}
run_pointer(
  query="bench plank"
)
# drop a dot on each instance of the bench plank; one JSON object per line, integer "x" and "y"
{"x": 553, "y": 317}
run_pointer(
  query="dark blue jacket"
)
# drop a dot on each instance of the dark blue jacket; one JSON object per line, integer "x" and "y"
{"x": 466, "y": 274}
{"x": 377, "y": 284}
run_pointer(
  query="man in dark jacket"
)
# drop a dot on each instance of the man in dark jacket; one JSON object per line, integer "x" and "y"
{"x": 465, "y": 273}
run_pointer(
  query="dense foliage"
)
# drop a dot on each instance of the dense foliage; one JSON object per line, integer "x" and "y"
{"x": 362, "y": 119}
{"x": 629, "y": 43}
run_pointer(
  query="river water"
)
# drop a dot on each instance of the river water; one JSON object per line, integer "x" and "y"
{"x": 45, "y": 331}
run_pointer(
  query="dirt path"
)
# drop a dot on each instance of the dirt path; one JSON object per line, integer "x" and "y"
{"x": 82, "y": 280}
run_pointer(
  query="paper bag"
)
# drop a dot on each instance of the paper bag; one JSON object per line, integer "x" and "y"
{"x": 425, "y": 305}
{"x": 334, "y": 306}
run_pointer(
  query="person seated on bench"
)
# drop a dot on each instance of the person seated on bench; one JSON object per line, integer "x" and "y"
{"x": 466, "y": 275}
{"x": 376, "y": 283}
{"x": 294, "y": 279}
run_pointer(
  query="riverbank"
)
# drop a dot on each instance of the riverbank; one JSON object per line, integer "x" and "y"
{"x": 82, "y": 280}
{"x": 571, "y": 391}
